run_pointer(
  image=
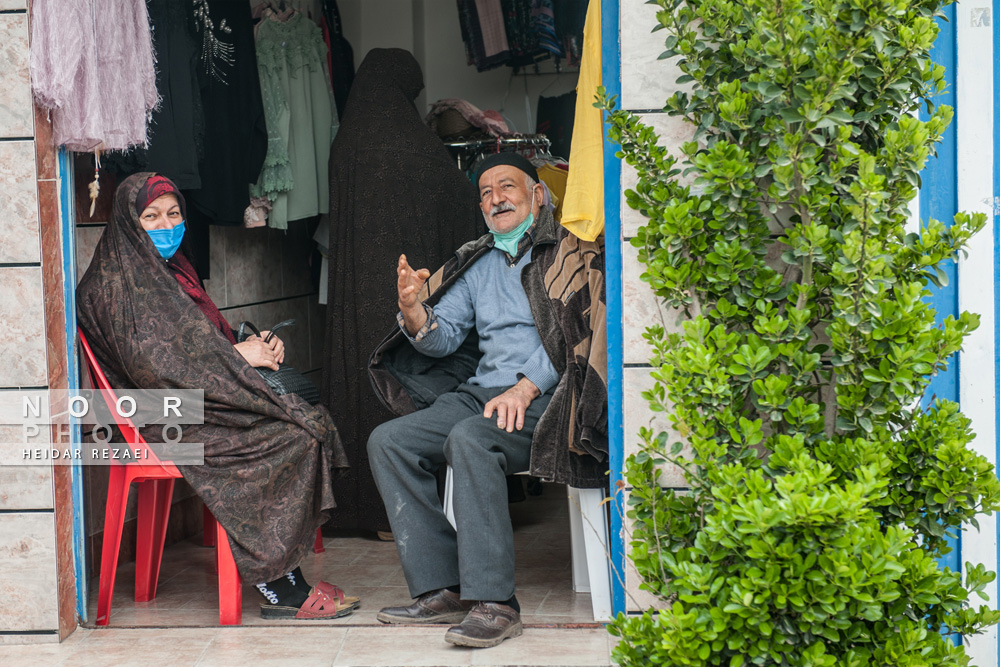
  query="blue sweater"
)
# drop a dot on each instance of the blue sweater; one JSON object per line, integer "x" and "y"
{"x": 489, "y": 296}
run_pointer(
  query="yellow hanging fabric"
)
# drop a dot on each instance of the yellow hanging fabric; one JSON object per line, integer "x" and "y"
{"x": 583, "y": 207}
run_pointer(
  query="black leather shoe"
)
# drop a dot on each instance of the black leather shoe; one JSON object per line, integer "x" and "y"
{"x": 441, "y": 606}
{"x": 488, "y": 624}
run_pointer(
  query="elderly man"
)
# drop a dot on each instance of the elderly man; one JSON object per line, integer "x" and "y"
{"x": 491, "y": 351}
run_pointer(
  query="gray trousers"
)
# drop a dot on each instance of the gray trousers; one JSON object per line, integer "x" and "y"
{"x": 405, "y": 455}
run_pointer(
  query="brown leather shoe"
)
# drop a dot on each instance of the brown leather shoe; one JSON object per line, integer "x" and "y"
{"x": 488, "y": 624}
{"x": 441, "y": 606}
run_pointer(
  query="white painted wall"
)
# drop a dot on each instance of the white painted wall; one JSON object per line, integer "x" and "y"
{"x": 977, "y": 363}
{"x": 430, "y": 29}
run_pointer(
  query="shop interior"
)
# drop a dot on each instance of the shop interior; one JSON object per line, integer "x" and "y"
{"x": 520, "y": 98}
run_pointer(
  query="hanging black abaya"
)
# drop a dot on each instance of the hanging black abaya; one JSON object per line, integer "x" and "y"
{"x": 393, "y": 189}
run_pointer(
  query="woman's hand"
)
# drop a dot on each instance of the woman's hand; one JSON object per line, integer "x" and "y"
{"x": 258, "y": 353}
{"x": 276, "y": 345}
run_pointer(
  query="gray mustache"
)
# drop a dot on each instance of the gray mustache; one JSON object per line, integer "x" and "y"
{"x": 501, "y": 208}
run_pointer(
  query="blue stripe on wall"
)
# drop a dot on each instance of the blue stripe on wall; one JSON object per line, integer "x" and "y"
{"x": 939, "y": 200}
{"x": 611, "y": 78}
{"x": 67, "y": 220}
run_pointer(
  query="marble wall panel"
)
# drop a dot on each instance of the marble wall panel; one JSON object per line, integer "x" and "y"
{"x": 15, "y": 84}
{"x": 638, "y": 414}
{"x": 23, "y": 487}
{"x": 672, "y": 131}
{"x": 22, "y": 310}
{"x": 637, "y": 599}
{"x": 28, "y": 572}
{"x": 253, "y": 265}
{"x": 10, "y": 5}
{"x": 646, "y": 81}
{"x": 86, "y": 243}
{"x": 18, "y": 202}
{"x": 641, "y": 308}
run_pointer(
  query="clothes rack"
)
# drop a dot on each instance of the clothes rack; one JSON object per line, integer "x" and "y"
{"x": 467, "y": 152}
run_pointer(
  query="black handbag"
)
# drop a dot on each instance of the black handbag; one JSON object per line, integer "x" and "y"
{"x": 285, "y": 380}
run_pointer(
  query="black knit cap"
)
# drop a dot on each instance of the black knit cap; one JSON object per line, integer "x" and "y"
{"x": 511, "y": 159}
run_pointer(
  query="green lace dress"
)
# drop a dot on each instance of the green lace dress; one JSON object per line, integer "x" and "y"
{"x": 301, "y": 119}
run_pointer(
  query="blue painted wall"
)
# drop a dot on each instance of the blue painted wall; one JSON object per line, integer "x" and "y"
{"x": 611, "y": 77}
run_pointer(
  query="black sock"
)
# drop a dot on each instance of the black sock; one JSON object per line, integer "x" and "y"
{"x": 454, "y": 589}
{"x": 299, "y": 580}
{"x": 281, "y": 592}
{"x": 512, "y": 602}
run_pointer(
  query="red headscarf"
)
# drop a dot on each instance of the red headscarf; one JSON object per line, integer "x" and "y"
{"x": 155, "y": 187}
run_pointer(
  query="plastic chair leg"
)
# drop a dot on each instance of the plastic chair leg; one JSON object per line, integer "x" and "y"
{"x": 114, "y": 519}
{"x": 154, "y": 511}
{"x": 318, "y": 547}
{"x": 208, "y": 532}
{"x": 230, "y": 582}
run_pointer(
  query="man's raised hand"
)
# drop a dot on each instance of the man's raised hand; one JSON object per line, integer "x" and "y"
{"x": 408, "y": 285}
{"x": 409, "y": 282}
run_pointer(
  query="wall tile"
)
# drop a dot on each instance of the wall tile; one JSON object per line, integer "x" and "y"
{"x": 216, "y": 285}
{"x": 672, "y": 131}
{"x": 296, "y": 249}
{"x": 28, "y": 572}
{"x": 646, "y": 81}
{"x": 253, "y": 265}
{"x": 637, "y": 599}
{"x": 22, "y": 312}
{"x": 18, "y": 202}
{"x": 21, "y": 486}
{"x": 86, "y": 243}
{"x": 15, "y": 84}
{"x": 641, "y": 308}
{"x": 7, "y": 5}
{"x": 638, "y": 414}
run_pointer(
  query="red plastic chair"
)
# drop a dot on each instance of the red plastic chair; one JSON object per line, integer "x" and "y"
{"x": 155, "y": 481}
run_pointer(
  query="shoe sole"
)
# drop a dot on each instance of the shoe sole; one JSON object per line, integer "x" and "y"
{"x": 515, "y": 630}
{"x": 450, "y": 619}
{"x": 272, "y": 612}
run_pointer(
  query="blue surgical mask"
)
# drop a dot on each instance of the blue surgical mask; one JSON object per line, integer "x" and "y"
{"x": 167, "y": 241}
{"x": 508, "y": 240}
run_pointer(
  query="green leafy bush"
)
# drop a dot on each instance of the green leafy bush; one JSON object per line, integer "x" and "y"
{"x": 821, "y": 489}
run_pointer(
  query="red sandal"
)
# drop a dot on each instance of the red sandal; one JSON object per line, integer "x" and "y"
{"x": 338, "y": 593}
{"x": 318, "y": 606}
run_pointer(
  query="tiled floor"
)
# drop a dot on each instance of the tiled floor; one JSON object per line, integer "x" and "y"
{"x": 180, "y": 627}
{"x": 307, "y": 646}
{"x": 187, "y": 594}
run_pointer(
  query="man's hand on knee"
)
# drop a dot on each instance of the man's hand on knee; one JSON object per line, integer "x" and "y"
{"x": 511, "y": 405}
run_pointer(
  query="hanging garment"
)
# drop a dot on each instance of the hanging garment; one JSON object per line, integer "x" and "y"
{"x": 483, "y": 33}
{"x": 583, "y": 207}
{"x": 555, "y": 121}
{"x": 177, "y": 126}
{"x": 269, "y": 459}
{"x": 555, "y": 179}
{"x": 340, "y": 61}
{"x": 570, "y": 18}
{"x": 92, "y": 65}
{"x": 489, "y": 121}
{"x": 393, "y": 189}
{"x": 301, "y": 121}
{"x": 235, "y": 134}
{"x": 543, "y": 22}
